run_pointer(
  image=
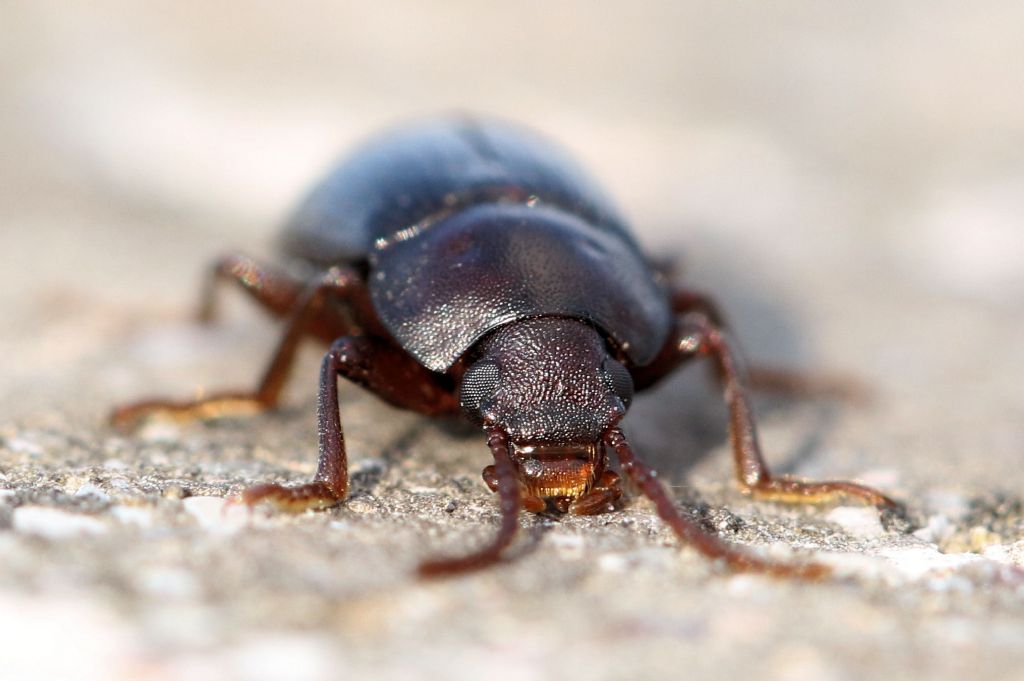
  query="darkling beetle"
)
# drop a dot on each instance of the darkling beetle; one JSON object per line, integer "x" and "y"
{"x": 464, "y": 264}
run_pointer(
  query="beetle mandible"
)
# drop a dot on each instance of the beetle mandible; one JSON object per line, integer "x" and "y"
{"x": 470, "y": 265}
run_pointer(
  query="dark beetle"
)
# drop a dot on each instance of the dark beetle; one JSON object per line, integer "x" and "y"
{"x": 469, "y": 265}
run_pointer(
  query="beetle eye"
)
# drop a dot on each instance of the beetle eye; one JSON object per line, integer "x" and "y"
{"x": 618, "y": 380}
{"x": 479, "y": 384}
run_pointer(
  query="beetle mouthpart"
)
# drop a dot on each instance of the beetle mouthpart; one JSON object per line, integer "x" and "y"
{"x": 556, "y": 471}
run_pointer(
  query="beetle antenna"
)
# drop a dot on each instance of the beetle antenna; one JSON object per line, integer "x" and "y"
{"x": 690, "y": 531}
{"x": 508, "y": 495}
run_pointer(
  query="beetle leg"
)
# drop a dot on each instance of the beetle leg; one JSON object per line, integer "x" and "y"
{"x": 669, "y": 358}
{"x": 330, "y": 484}
{"x": 271, "y": 287}
{"x": 696, "y": 335}
{"x": 508, "y": 493}
{"x": 691, "y": 531}
{"x": 336, "y": 283}
{"x": 764, "y": 378}
{"x": 377, "y": 365}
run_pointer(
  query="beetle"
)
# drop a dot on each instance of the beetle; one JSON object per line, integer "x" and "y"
{"x": 467, "y": 265}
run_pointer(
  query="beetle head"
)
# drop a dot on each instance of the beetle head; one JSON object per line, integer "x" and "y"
{"x": 552, "y": 386}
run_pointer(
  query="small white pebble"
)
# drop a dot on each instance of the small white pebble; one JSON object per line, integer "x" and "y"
{"x": 860, "y": 521}
{"x": 744, "y": 584}
{"x": 935, "y": 530}
{"x": 1012, "y": 554}
{"x": 998, "y": 552}
{"x": 140, "y": 516}
{"x": 848, "y": 564}
{"x": 53, "y": 523}
{"x": 91, "y": 490}
{"x": 216, "y": 513}
{"x": 916, "y": 562}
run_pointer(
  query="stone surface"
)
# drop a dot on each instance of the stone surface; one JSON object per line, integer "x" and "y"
{"x": 846, "y": 179}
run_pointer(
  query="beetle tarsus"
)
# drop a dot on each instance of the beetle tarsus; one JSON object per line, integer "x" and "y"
{"x": 312, "y": 496}
{"x": 128, "y": 417}
{"x": 790, "y": 491}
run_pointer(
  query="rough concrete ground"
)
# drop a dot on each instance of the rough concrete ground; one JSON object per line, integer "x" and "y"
{"x": 847, "y": 181}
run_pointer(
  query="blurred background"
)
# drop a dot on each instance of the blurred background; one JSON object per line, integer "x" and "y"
{"x": 894, "y": 135}
{"x": 847, "y": 177}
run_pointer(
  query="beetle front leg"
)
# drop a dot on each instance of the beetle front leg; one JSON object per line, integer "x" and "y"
{"x": 378, "y": 366}
{"x": 691, "y": 531}
{"x": 696, "y": 335}
{"x": 330, "y": 484}
{"x": 507, "y": 486}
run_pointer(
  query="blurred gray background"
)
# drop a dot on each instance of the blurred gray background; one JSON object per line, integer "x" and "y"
{"x": 848, "y": 178}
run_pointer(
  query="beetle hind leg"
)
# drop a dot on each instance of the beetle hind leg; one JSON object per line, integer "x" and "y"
{"x": 697, "y": 335}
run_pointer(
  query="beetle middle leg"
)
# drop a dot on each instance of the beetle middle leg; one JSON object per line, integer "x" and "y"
{"x": 696, "y": 335}
{"x": 306, "y": 314}
{"x": 272, "y": 288}
{"x": 759, "y": 377}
